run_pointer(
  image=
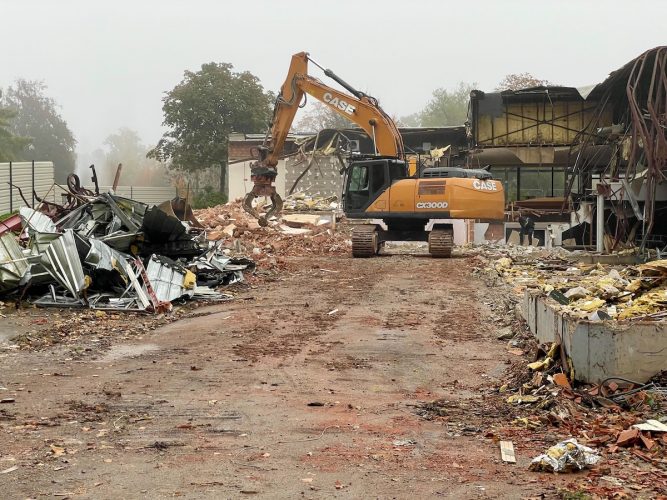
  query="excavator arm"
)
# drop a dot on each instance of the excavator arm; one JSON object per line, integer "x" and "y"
{"x": 359, "y": 108}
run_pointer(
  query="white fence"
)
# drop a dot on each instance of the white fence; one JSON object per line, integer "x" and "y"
{"x": 38, "y": 177}
{"x": 28, "y": 176}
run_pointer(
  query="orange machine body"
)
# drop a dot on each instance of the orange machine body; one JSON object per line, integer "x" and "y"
{"x": 444, "y": 198}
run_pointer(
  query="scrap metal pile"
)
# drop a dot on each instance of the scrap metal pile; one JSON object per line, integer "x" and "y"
{"x": 594, "y": 292}
{"x": 109, "y": 252}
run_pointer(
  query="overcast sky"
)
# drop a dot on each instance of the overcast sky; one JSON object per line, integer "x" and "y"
{"x": 108, "y": 63}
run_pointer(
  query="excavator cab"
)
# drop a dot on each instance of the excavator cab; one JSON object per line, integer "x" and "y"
{"x": 367, "y": 179}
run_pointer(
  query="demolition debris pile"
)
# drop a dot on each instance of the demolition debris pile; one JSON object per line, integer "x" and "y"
{"x": 304, "y": 202}
{"x": 292, "y": 235}
{"x": 108, "y": 252}
{"x": 595, "y": 292}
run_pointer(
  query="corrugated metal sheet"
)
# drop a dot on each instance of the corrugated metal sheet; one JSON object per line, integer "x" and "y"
{"x": 168, "y": 281}
{"x": 21, "y": 175}
{"x": 61, "y": 260}
{"x": 13, "y": 264}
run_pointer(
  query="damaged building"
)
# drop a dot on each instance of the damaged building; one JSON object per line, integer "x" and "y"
{"x": 587, "y": 163}
{"x": 312, "y": 162}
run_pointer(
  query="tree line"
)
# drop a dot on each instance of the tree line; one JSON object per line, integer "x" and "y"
{"x": 200, "y": 113}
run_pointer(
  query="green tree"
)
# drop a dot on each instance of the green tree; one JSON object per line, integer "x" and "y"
{"x": 10, "y": 144}
{"x": 125, "y": 146}
{"x": 517, "y": 81}
{"x": 201, "y": 112}
{"x": 411, "y": 120}
{"x": 38, "y": 117}
{"x": 447, "y": 107}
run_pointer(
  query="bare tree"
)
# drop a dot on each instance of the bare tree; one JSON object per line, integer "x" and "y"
{"x": 517, "y": 81}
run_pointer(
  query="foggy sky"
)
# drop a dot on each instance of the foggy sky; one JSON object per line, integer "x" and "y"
{"x": 108, "y": 63}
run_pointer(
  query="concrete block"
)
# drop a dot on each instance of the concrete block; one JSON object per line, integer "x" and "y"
{"x": 598, "y": 350}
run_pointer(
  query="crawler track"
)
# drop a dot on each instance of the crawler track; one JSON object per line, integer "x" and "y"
{"x": 364, "y": 241}
{"x": 441, "y": 243}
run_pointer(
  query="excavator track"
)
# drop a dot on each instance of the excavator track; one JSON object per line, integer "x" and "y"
{"x": 364, "y": 241}
{"x": 441, "y": 243}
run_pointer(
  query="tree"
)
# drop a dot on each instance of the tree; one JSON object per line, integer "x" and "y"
{"x": 201, "y": 112}
{"x": 411, "y": 120}
{"x": 319, "y": 117}
{"x": 517, "y": 81}
{"x": 447, "y": 107}
{"x": 10, "y": 144}
{"x": 125, "y": 146}
{"x": 38, "y": 117}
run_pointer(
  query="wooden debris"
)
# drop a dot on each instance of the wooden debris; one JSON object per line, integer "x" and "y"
{"x": 507, "y": 452}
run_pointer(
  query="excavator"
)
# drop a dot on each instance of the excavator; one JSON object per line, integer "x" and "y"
{"x": 379, "y": 186}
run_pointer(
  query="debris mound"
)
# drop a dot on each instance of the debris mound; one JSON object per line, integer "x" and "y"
{"x": 292, "y": 235}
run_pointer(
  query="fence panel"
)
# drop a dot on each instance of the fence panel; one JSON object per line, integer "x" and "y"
{"x": 38, "y": 176}
{"x": 26, "y": 175}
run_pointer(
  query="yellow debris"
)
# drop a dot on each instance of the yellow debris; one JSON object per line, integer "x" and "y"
{"x": 190, "y": 280}
{"x": 541, "y": 365}
{"x": 591, "y": 304}
{"x": 654, "y": 268}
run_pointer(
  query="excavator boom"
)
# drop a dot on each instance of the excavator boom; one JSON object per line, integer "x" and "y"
{"x": 359, "y": 108}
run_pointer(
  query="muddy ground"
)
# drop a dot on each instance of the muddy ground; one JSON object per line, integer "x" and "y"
{"x": 310, "y": 384}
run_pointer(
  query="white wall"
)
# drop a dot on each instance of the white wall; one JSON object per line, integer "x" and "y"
{"x": 239, "y": 183}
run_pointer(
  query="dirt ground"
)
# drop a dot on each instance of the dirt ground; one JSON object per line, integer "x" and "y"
{"x": 310, "y": 385}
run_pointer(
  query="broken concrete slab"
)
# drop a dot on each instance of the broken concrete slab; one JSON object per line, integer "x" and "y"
{"x": 300, "y": 220}
{"x": 293, "y": 230}
{"x": 229, "y": 230}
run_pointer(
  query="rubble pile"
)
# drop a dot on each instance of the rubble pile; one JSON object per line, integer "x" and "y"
{"x": 113, "y": 253}
{"x": 614, "y": 416}
{"x": 292, "y": 235}
{"x": 303, "y": 202}
{"x": 594, "y": 292}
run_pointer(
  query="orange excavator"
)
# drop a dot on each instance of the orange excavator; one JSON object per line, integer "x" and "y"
{"x": 377, "y": 186}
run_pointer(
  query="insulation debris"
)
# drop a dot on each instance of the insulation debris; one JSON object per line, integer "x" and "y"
{"x": 566, "y": 456}
{"x": 593, "y": 292}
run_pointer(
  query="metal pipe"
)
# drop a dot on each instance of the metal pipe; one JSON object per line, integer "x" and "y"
{"x": 375, "y": 148}
{"x": 11, "y": 195}
{"x": 33, "y": 184}
{"x": 599, "y": 226}
{"x": 116, "y": 179}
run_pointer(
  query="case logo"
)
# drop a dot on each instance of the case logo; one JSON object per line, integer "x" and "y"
{"x": 338, "y": 103}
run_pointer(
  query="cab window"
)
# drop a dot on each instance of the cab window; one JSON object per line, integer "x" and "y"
{"x": 378, "y": 178}
{"x": 359, "y": 178}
